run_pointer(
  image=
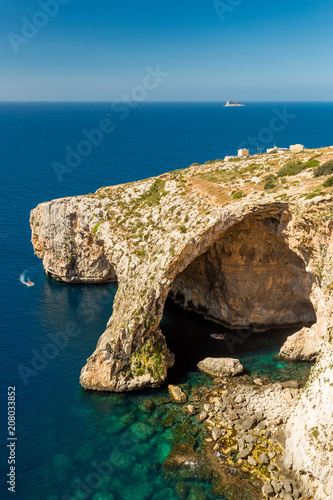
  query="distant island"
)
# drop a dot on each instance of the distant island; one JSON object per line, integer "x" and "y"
{"x": 233, "y": 103}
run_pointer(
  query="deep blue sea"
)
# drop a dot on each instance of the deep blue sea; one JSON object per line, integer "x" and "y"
{"x": 64, "y": 435}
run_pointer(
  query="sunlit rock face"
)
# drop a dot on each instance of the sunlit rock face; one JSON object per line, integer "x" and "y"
{"x": 62, "y": 236}
{"x": 248, "y": 277}
{"x": 302, "y": 346}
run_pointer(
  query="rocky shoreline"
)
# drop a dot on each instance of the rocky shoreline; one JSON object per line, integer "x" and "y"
{"x": 243, "y": 431}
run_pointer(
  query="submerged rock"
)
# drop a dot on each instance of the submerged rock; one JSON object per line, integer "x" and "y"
{"x": 147, "y": 405}
{"x": 170, "y": 418}
{"x": 181, "y": 462}
{"x": 252, "y": 461}
{"x": 197, "y": 493}
{"x": 182, "y": 490}
{"x": 217, "y": 367}
{"x": 141, "y": 431}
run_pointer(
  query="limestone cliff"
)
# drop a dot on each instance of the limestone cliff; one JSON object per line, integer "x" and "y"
{"x": 240, "y": 242}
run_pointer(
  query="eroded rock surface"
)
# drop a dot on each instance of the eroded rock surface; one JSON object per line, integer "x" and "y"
{"x": 259, "y": 260}
{"x": 249, "y": 267}
{"x": 176, "y": 394}
{"x": 219, "y": 367}
{"x": 302, "y": 346}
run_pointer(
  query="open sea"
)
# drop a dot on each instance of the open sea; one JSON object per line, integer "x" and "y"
{"x": 65, "y": 435}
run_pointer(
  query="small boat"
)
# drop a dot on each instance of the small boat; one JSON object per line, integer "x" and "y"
{"x": 30, "y": 283}
{"x": 218, "y": 336}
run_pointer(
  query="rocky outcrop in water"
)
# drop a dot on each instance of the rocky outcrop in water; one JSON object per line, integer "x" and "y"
{"x": 176, "y": 394}
{"x": 219, "y": 367}
{"x": 302, "y": 346}
{"x": 223, "y": 240}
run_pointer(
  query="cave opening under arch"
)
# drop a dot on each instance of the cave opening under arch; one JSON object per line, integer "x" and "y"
{"x": 248, "y": 284}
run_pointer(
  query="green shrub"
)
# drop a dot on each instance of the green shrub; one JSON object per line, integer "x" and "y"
{"x": 328, "y": 182}
{"x": 315, "y": 193}
{"x": 251, "y": 168}
{"x": 270, "y": 182}
{"x": 96, "y": 227}
{"x": 290, "y": 168}
{"x": 325, "y": 169}
{"x": 312, "y": 163}
{"x": 155, "y": 192}
{"x": 183, "y": 228}
{"x": 140, "y": 253}
{"x": 295, "y": 167}
{"x": 238, "y": 195}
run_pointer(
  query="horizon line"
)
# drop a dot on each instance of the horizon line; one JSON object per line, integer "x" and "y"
{"x": 161, "y": 101}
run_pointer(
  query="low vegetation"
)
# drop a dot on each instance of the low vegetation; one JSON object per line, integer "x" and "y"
{"x": 270, "y": 182}
{"x": 328, "y": 182}
{"x": 155, "y": 193}
{"x": 95, "y": 228}
{"x": 294, "y": 167}
{"x": 325, "y": 169}
{"x": 238, "y": 195}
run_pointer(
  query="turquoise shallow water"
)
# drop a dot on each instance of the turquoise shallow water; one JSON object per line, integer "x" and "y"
{"x": 188, "y": 336}
{"x": 63, "y": 432}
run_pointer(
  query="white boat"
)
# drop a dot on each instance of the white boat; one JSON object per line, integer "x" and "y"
{"x": 217, "y": 336}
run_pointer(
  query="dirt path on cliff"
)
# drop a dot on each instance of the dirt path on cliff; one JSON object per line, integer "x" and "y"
{"x": 216, "y": 194}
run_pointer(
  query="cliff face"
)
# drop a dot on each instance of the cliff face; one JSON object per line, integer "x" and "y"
{"x": 263, "y": 259}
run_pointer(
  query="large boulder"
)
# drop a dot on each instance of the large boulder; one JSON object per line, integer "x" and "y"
{"x": 176, "y": 394}
{"x": 302, "y": 346}
{"x": 218, "y": 367}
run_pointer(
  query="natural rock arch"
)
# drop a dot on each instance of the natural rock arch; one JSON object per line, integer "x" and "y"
{"x": 120, "y": 360}
{"x": 179, "y": 216}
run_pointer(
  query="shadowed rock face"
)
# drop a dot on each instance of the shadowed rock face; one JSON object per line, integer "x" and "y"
{"x": 248, "y": 277}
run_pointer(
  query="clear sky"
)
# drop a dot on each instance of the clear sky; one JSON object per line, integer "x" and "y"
{"x": 99, "y": 50}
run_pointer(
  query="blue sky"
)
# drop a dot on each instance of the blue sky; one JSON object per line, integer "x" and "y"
{"x": 99, "y": 50}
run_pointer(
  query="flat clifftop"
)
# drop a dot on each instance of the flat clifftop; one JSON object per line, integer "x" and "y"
{"x": 247, "y": 243}
{"x": 146, "y": 216}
